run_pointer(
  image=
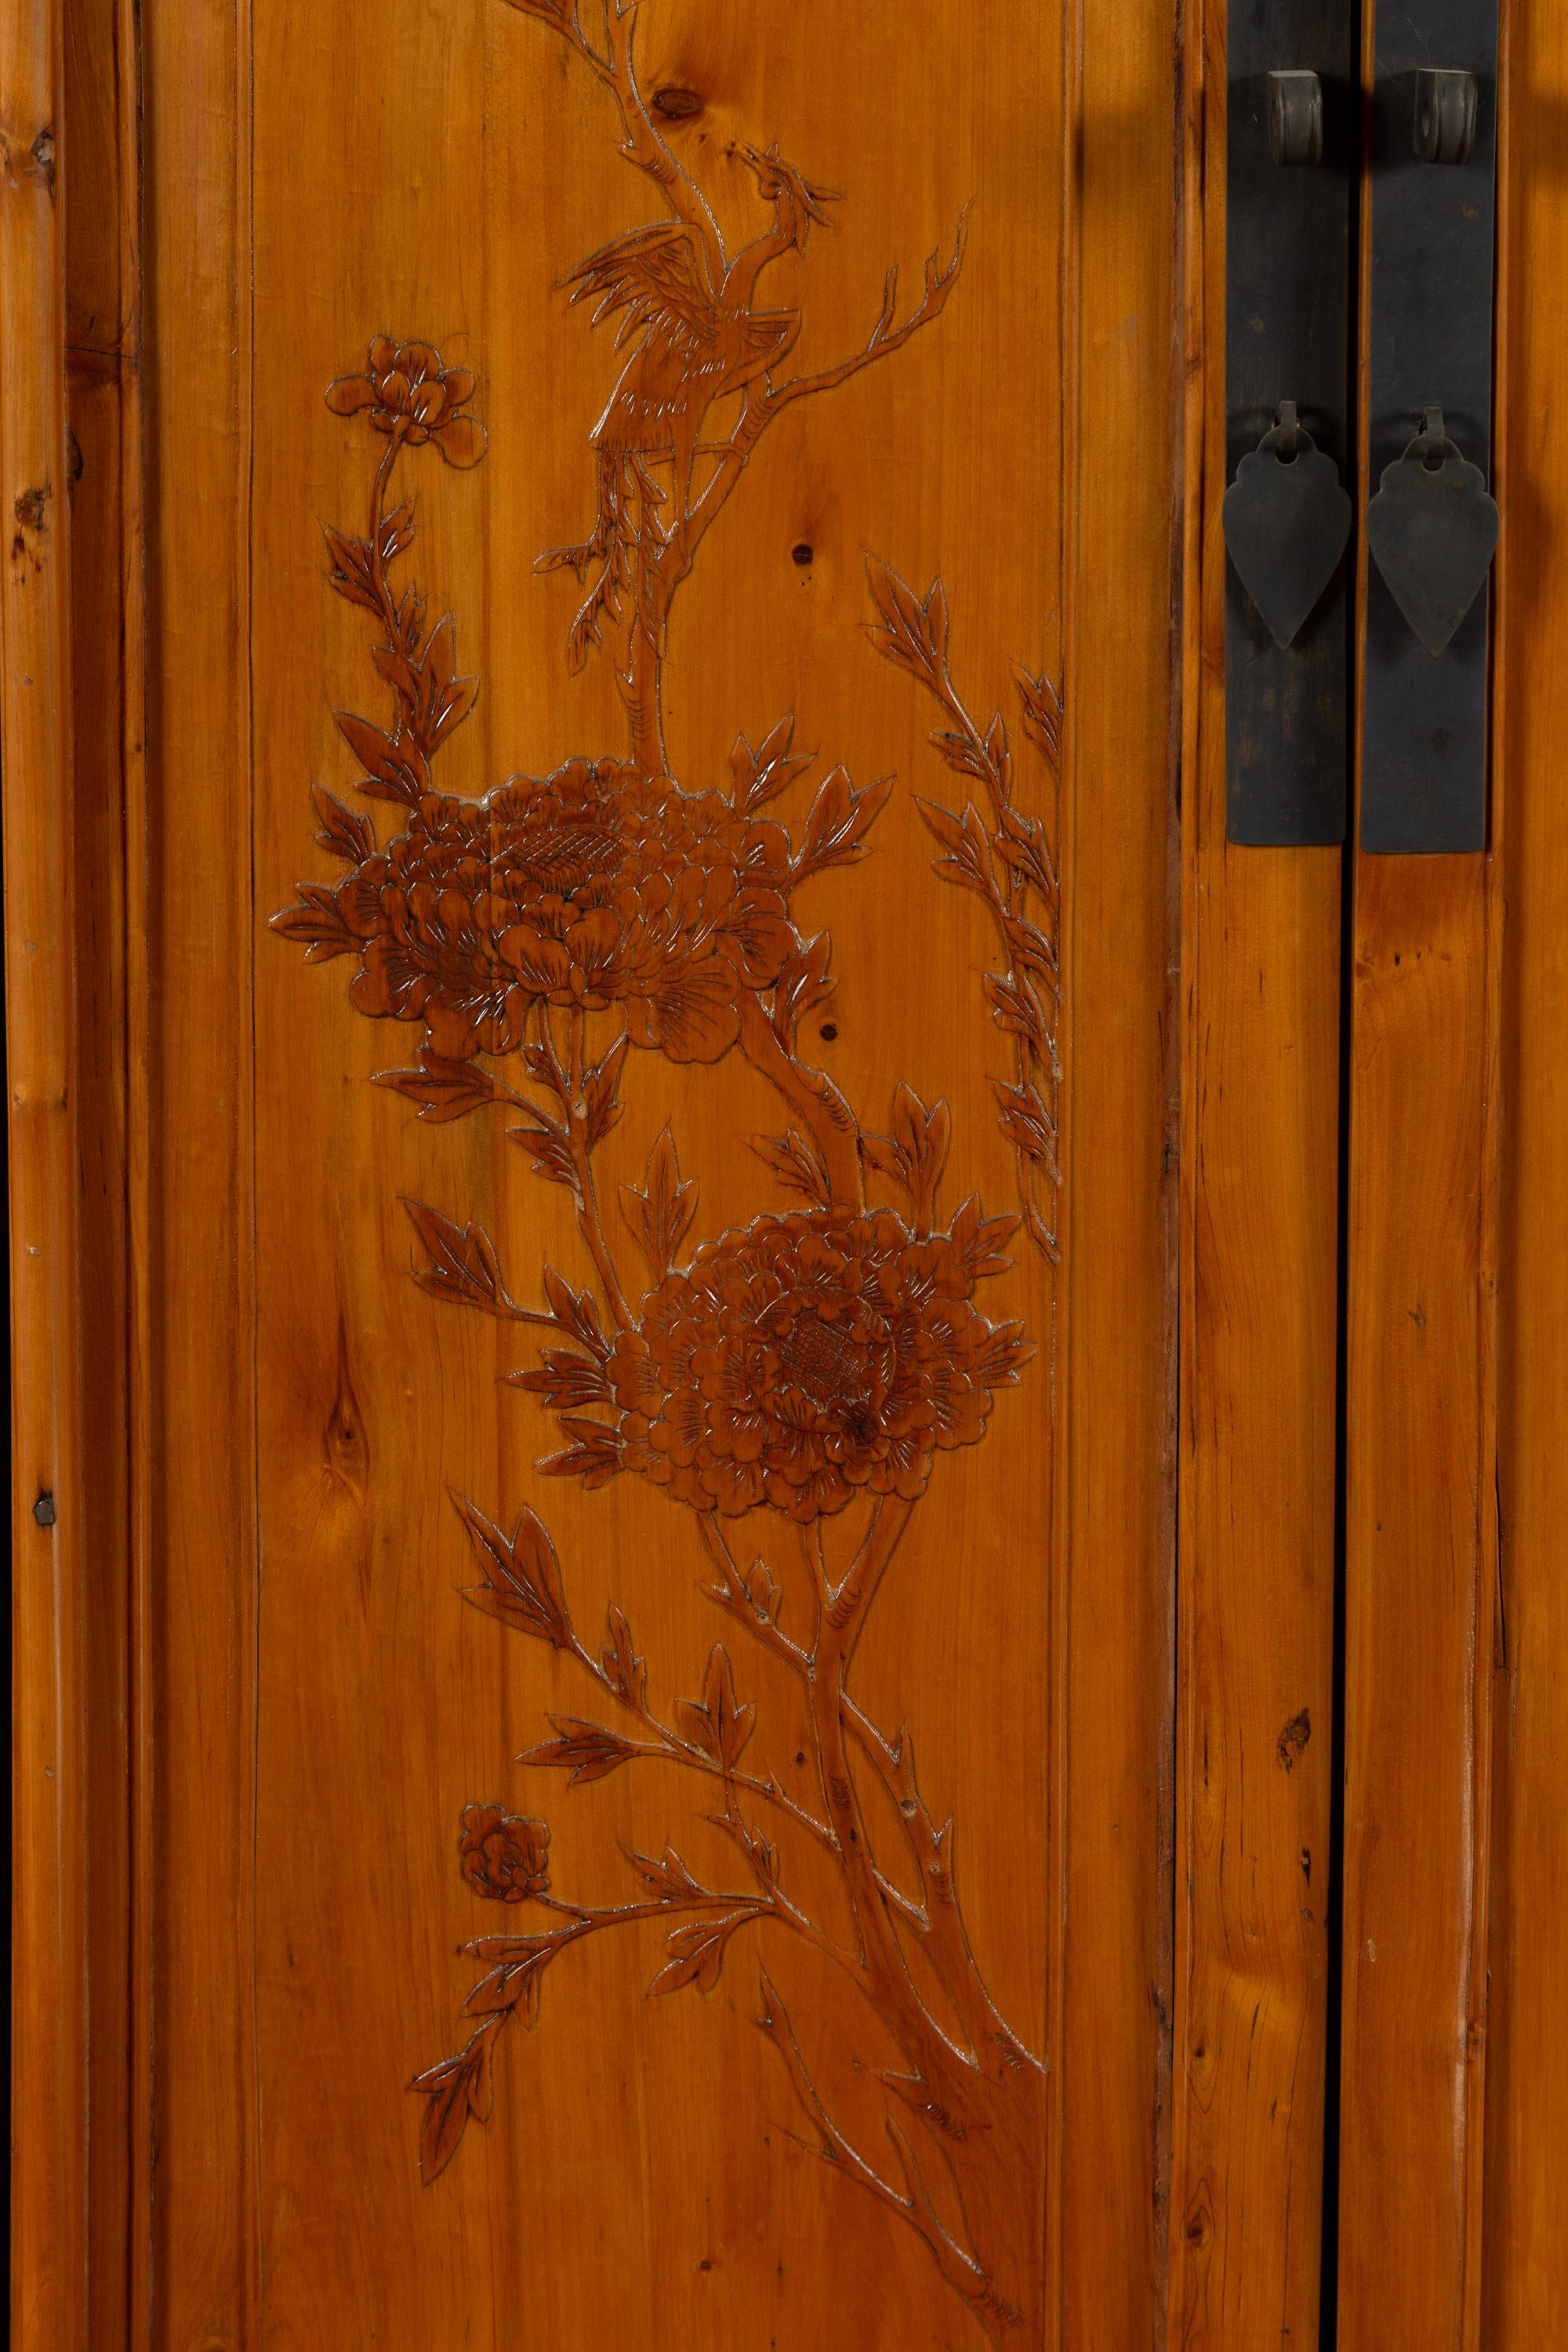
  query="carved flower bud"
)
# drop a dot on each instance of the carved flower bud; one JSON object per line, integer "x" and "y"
{"x": 503, "y": 1854}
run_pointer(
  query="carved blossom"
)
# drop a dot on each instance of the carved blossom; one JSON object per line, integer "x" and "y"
{"x": 804, "y": 1361}
{"x": 588, "y": 888}
{"x": 503, "y": 1854}
{"x": 408, "y": 390}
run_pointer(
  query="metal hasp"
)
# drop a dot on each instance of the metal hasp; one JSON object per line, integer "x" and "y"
{"x": 1431, "y": 525}
{"x": 1289, "y": 158}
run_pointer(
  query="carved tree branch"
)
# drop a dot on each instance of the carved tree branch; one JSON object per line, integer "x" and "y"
{"x": 812, "y": 1093}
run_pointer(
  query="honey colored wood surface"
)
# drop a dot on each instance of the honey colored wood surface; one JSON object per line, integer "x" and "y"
{"x": 1524, "y": 2261}
{"x": 1114, "y": 1749}
{"x": 1254, "y": 1634}
{"x": 51, "y": 1792}
{"x": 321, "y": 1704}
{"x": 102, "y": 389}
{"x": 196, "y": 1656}
{"x": 1420, "y": 1583}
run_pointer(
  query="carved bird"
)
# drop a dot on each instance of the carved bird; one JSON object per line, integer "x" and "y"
{"x": 699, "y": 337}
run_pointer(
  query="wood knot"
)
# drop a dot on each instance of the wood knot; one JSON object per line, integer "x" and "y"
{"x": 1293, "y": 1738}
{"x": 677, "y": 105}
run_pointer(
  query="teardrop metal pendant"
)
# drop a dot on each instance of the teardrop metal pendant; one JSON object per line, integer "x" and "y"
{"x": 1433, "y": 530}
{"x": 1287, "y": 522}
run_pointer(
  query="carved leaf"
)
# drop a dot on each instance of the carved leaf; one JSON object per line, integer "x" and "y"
{"x": 1026, "y": 1121}
{"x": 601, "y": 1093}
{"x": 913, "y": 634}
{"x": 575, "y": 1313}
{"x": 318, "y": 922}
{"x": 794, "y": 1164}
{"x": 760, "y": 775}
{"x": 567, "y": 1381}
{"x": 522, "y": 1584}
{"x": 343, "y": 830}
{"x": 1004, "y": 1354}
{"x": 1021, "y": 843}
{"x": 921, "y": 1138}
{"x": 719, "y": 1725}
{"x": 395, "y": 536}
{"x": 464, "y": 1268}
{"x": 594, "y": 1454}
{"x": 966, "y": 844}
{"x": 668, "y": 1881}
{"x": 397, "y": 768}
{"x": 801, "y": 986}
{"x": 1032, "y": 949}
{"x": 548, "y": 1147}
{"x": 1042, "y": 713}
{"x": 659, "y": 1214}
{"x": 625, "y": 1673}
{"x": 1015, "y": 1007}
{"x": 963, "y": 753}
{"x": 351, "y": 573}
{"x": 765, "y": 1596}
{"x": 840, "y": 818}
{"x": 696, "y": 1953}
{"x": 442, "y": 1089}
{"x": 549, "y": 12}
{"x": 979, "y": 1240}
{"x": 588, "y": 1751}
{"x": 458, "y": 2088}
{"x": 513, "y": 1986}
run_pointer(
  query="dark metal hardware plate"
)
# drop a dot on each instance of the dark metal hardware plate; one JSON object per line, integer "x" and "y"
{"x": 1287, "y": 340}
{"x": 1434, "y": 135}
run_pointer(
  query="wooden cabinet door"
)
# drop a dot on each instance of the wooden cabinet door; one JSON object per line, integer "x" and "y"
{"x": 784, "y": 1484}
{"x": 592, "y": 888}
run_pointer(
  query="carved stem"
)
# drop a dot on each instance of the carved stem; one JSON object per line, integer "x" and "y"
{"x": 568, "y": 1091}
{"x": 891, "y": 1988}
{"x": 642, "y": 685}
{"x": 813, "y": 1094}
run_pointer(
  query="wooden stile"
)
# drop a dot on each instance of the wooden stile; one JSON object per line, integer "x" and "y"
{"x": 1255, "y": 1628}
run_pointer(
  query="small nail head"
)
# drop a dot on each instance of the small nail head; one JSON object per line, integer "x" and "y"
{"x": 43, "y": 1510}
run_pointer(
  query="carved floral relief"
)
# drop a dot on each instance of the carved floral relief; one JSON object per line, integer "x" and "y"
{"x": 792, "y": 1385}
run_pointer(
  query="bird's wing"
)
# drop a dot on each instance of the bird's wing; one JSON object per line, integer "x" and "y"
{"x": 766, "y": 331}
{"x": 658, "y": 278}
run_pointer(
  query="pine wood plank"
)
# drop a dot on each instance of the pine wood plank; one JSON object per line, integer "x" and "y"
{"x": 1524, "y": 2264}
{"x": 197, "y": 1814}
{"x": 1117, "y": 1537}
{"x": 103, "y": 392}
{"x": 1254, "y": 1631}
{"x": 51, "y": 1789}
{"x": 1420, "y": 1581}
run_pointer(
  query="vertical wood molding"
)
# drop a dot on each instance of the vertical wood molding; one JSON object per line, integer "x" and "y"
{"x": 1260, "y": 1099}
{"x": 1420, "y": 1581}
{"x": 50, "y": 1827}
{"x": 1116, "y": 1533}
{"x": 199, "y": 1652}
{"x": 1524, "y": 2281}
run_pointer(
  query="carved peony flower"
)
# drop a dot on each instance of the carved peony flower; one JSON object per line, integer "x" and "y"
{"x": 503, "y": 1854}
{"x": 806, "y": 1359}
{"x": 408, "y": 390}
{"x": 589, "y": 887}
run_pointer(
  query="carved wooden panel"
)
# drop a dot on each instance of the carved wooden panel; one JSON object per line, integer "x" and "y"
{"x": 647, "y": 954}
{"x": 763, "y": 1397}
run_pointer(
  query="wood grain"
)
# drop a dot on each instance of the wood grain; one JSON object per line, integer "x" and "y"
{"x": 49, "y": 1526}
{"x": 1116, "y": 1537}
{"x": 197, "y": 1641}
{"x": 296, "y": 1708}
{"x": 1524, "y": 2263}
{"x": 1420, "y": 1580}
{"x": 1254, "y": 1634}
{"x": 100, "y": 107}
